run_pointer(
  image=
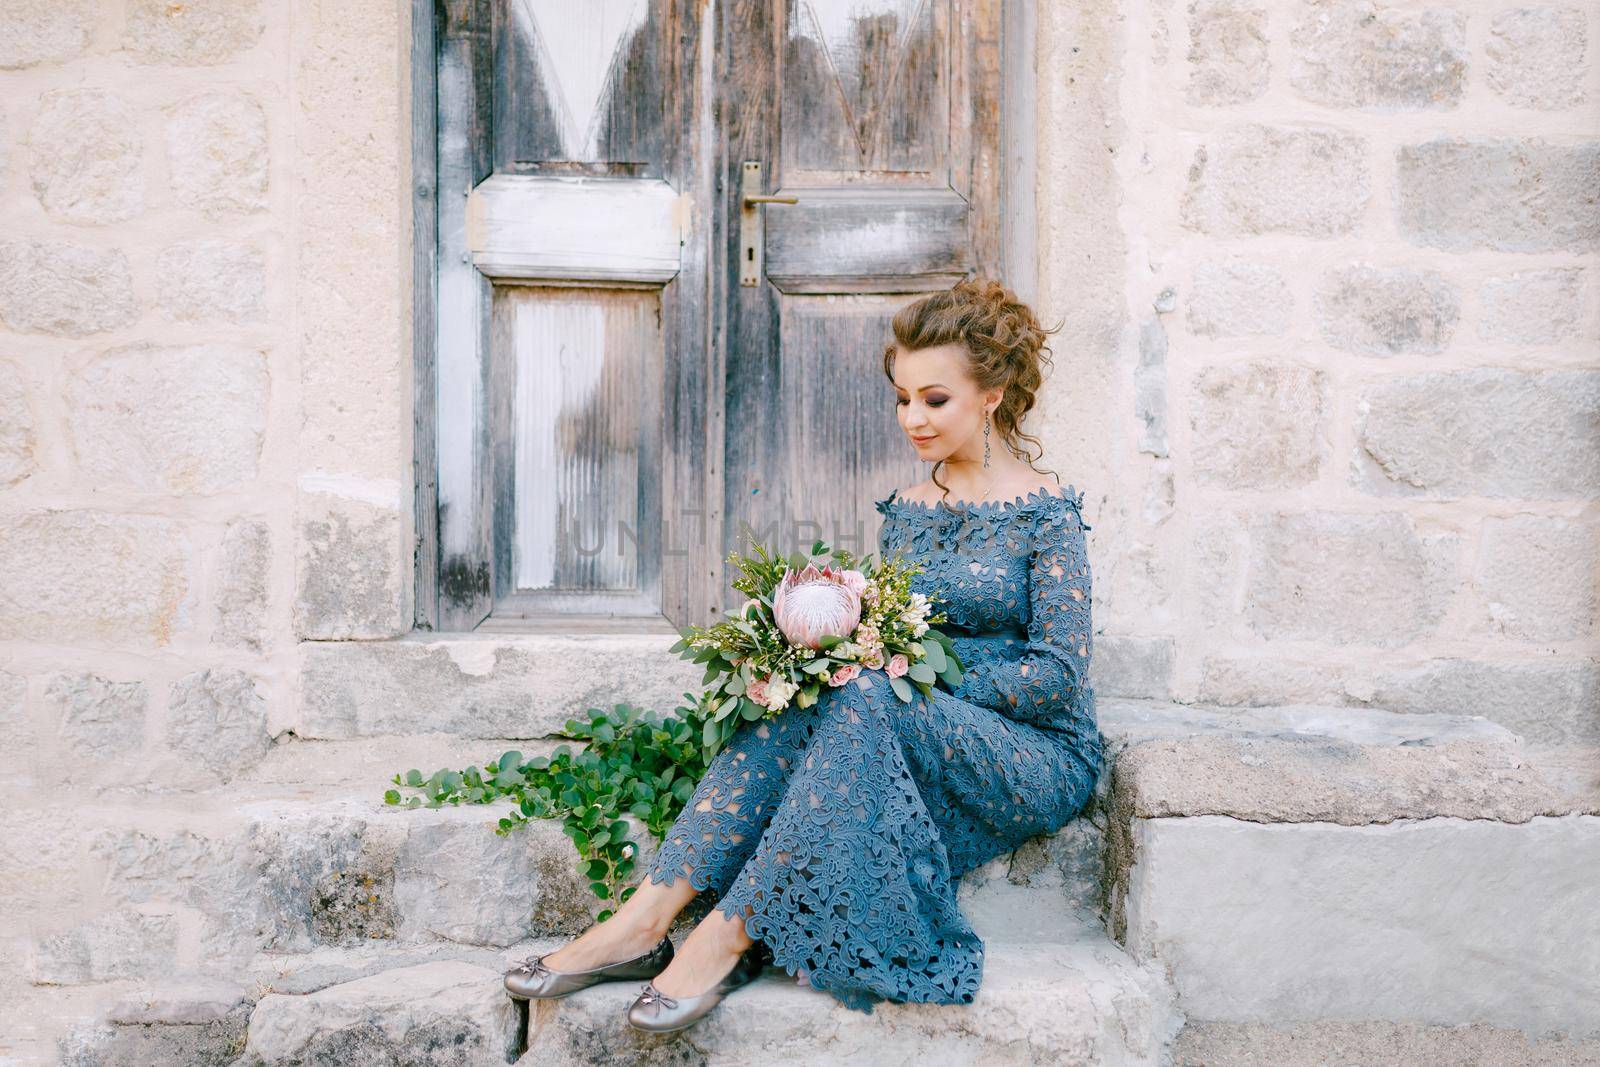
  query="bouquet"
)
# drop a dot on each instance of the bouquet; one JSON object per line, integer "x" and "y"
{"x": 805, "y": 627}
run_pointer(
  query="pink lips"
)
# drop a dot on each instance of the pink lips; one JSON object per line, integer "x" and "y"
{"x": 924, "y": 440}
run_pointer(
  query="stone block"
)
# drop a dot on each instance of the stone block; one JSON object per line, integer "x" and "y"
{"x": 324, "y": 874}
{"x": 1254, "y": 680}
{"x": 1132, "y": 666}
{"x": 96, "y": 577}
{"x": 1546, "y": 703}
{"x": 44, "y": 31}
{"x": 198, "y": 1026}
{"x": 217, "y": 719}
{"x": 121, "y": 944}
{"x": 1316, "y": 1044}
{"x": 1536, "y": 307}
{"x": 66, "y": 289}
{"x": 240, "y": 611}
{"x": 1347, "y": 579}
{"x": 1150, "y": 388}
{"x": 1529, "y": 195}
{"x": 217, "y": 153}
{"x": 100, "y": 719}
{"x": 478, "y": 687}
{"x": 173, "y": 420}
{"x": 213, "y": 876}
{"x": 1258, "y": 425}
{"x": 194, "y": 33}
{"x": 1436, "y": 920}
{"x": 456, "y": 879}
{"x": 86, "y": 157}
{"x": 16, "y": 733}
{"x": 18, "y": 441}
{"x": 1233, "y": 297}
{"x": 1253, "y": 179}
{"x": 1320, "y": 764}
{"x": 457, "y": 1013}
{"x": 208, "y": 279}
{"x": 1538, "y": 57}
{"x": 1482, "y": 432}
{"x": 350, "y": 571}
{"x": 1228, "y": 61}
{"x": 1219, "y": 550}
{"x": 1377, "y": 312}
{"x": 1354, "y": 53}
{"x": 1539, "y": 577}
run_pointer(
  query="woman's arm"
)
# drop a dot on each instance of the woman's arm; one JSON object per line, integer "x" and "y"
{"x": 1046, "y": 681}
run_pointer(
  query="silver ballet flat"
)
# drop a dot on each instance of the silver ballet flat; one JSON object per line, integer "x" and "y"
{"x": 656, "y": 1013}
{"x": 533, "y": 980}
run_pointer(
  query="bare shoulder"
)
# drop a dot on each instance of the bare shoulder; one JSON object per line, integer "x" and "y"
{"x": 926, "y": 492}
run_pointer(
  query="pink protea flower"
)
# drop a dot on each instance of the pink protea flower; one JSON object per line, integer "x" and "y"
{"x": 813, "y": 604}
{"x": 898, "y": 665}
{"x": 844, "y": 674}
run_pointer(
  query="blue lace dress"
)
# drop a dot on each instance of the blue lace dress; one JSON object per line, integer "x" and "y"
{"x": 839, "y": 831}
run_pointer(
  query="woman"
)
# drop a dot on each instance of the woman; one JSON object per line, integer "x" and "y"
{"x": 833, "y": 836}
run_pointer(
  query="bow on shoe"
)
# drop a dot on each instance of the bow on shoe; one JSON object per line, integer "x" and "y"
{"x": 533, "y": 966}
{"x": 651, "y": 993}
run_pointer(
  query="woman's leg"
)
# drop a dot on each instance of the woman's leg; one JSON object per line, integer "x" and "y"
{"x": 705, "y": 847}
{"x": 849, "y": 882}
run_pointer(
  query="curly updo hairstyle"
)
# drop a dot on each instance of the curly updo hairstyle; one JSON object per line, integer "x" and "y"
{"x": 1005, "y": 348}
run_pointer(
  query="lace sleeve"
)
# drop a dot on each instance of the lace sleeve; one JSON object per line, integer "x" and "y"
{"x": 1047, "y": 681}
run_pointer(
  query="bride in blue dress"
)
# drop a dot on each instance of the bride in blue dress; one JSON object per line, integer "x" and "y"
{"x": 833, "y": 837}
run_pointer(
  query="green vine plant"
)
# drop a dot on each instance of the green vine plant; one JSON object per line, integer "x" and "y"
{"x": 633, "y": 762}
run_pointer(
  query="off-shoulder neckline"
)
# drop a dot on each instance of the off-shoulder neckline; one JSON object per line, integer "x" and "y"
{"x": 987, "y": 507}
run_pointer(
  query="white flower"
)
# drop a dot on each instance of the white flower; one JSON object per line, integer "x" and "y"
{"x": 779, "y": 690}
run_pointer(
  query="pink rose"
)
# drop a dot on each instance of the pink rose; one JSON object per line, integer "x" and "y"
{"x": 757, "y": 691}
{"x": 844, "y": 674}
{"x": 855, "y": 581}
{"x": 898, "y": 665}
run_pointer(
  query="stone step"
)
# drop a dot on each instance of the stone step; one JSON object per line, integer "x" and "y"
{"x": 1271, "y": 820}
{"x": 1299, "y": 865}
{"x": 205, "y": 882}
{"x": 1075, "y": 1000}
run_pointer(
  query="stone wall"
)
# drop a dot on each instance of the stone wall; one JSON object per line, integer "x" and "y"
{"x": 205, "y": 446}
{"x": 1351, "y": 453}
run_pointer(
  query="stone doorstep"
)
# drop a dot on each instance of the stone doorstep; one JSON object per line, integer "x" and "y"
{"x": 1304, "y": 763}
{"x": 1300, "y": 864}
{"x": 1072, "y": 998}
{"x": 1078, "y": 1000}
{"x": 245, "y": 874}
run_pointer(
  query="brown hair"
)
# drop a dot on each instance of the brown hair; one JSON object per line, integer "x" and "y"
{"x": 1005, "y": 347}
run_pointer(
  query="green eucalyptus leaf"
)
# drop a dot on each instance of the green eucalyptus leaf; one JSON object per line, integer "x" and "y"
{"x": 902, "y": 689}
{"x": 921, "y": 672}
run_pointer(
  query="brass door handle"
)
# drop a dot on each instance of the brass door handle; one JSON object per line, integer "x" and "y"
{"x": 748, "y": 200}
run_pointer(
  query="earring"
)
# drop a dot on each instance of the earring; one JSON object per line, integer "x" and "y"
{"x": 985, "y": 440}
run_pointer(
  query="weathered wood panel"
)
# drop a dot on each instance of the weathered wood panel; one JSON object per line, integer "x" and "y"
{"x": 461, "y": 344}
{"x": 580, "y": 372}
{"x": 869, "y": 240}
{"x": 611, "y": 229}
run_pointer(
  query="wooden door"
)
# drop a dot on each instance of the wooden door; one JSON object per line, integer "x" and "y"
{"x": 572, "y": 388}
{"x": 614, "y": 410}
{"x": 881, "y": 119}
